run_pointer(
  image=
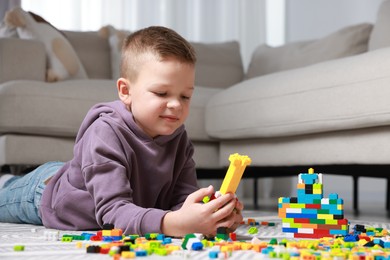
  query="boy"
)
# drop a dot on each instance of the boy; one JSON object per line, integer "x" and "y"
{"x": 132, "y": 164}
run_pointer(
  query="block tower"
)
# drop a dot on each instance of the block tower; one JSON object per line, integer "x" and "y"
{"x": 310, "y": 215}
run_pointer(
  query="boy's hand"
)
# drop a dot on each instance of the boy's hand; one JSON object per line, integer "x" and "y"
{"x": 237, "y": 216}
{"x": 196, "y": 217}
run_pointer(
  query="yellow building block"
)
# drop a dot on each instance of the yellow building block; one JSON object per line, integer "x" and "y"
{"x": 234, "y": 173}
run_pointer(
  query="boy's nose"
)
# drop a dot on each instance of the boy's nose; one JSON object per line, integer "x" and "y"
{"x": 173, "y": 103}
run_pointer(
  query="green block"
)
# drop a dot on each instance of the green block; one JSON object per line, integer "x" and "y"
{"x": 253, "y": 230}
{"x": 273, "y": 241}
{"x": 67, "y": 239}
{"x": 323, "y": 211}
{"x": 161, "y": 251}
{"x": 18, "y": 248}
{"x": 317, "y": 221}
{"x": 206, "y": 199}
{"x": 185, "y": 240}
{"x": 297, "y": 205}
{"x": 151, "y": 236}
{"x": 222, "y": 236}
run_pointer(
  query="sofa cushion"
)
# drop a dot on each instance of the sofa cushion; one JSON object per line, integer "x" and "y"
{"x": 22, "y": 59}
{"x": 57, "y": 109}
{"x": 218, "y": 65}
{"x": 195, "y": 123}
{"x": 7, "y": 31}
{"x": 380, "y": 36}
{"x": 341, "y": 94}
{"x": 50, "y": 109}
{"x": 359, "y": 146}
{"x": 93, "y": 51}
{"x": 345, "y": 42}
{"x": 115, "y": 39}
{"x": 63, "y": 62}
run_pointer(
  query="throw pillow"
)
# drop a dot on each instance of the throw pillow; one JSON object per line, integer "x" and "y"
{"x": 63, "y": 62}
{"x": 115, "y": 38}
{"x": 345, "y": 42}
{"x": 7, "y": 31}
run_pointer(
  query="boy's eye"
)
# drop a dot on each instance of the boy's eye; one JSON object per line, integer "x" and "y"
{"x": 185, "y": 97}
{"x": 160, "y": 94}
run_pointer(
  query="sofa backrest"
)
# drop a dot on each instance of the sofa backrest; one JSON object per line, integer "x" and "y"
{"x": 380, "y": 36}
{"x": 93, "y": 51}
{"x": 218, "y": 65}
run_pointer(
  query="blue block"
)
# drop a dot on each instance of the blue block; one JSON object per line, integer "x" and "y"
{"x": 300, "y": 193}
{"x": 351, "y": 238}
{"x": 338, "y": 232}
{"x": 87, "y": 236}
{"x": 141, "y": 253}
{"x": 333, "y": 196}
{"x": 309, "y": 211}
{"x": 386, "y": 244}
{"x": 213, "y": 254}
{"x": 305, "y": 200}
{"x": 290, "y": 230}
{"x": 298, "y": 215}
{"x": 197, "y": 246}
{"x": 167, "y": 240}
{"x": 309, "y": 178}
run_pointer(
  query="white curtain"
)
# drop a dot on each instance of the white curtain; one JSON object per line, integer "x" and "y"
{"x": 196, "y": 20}
{"x": 6, "y": 5}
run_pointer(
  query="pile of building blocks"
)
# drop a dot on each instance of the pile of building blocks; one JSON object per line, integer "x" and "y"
{"x": 314, "y": 227}
{"x": 310, "y": 215}
{"x": 362, "y": 243}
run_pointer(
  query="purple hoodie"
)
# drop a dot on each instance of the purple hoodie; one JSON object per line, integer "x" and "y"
{"x": 119, "y": 175}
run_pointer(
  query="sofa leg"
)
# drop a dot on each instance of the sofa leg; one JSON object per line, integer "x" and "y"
{"x": 255, "y": 206}
{"x": 388, "y": 194}
{"x": 355, "y": 194}
{"x": 18, "y": 169}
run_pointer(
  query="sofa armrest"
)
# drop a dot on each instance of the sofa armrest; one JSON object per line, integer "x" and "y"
{"x": 22, "y": 59}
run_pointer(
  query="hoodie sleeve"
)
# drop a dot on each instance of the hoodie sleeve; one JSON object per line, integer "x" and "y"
{"x": 187, "y": 181}
{"x": 105, "y": 170}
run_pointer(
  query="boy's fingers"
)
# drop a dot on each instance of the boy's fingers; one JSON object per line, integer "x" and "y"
{"x": 198, "y": 195}
{"x": 222, "y": 206}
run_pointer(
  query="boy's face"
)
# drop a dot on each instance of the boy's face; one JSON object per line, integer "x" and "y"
{"x": 160, "y": 97}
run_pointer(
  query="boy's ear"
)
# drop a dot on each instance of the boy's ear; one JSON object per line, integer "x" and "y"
{"x": 123, "y": 86}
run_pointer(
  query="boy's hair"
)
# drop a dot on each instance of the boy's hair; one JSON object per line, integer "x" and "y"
{"x": 158, "y": 41}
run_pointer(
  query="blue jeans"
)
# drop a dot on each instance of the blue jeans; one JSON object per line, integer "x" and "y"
{"x": 21, "y": 195}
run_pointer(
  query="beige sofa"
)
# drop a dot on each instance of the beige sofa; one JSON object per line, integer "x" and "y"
{"x": 321, "y": 103}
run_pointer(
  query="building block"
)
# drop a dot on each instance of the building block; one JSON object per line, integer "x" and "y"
{"x": 234, "y": 173}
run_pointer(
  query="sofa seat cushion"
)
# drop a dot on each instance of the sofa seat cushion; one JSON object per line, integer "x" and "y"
{"x": 359, "y": 146}
{"x": 57, "y": 109}
{"x": 348, "y": 93}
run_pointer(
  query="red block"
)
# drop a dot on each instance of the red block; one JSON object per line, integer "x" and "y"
{"x": 301, "y": 220}
{"x": 313, "y": 206}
